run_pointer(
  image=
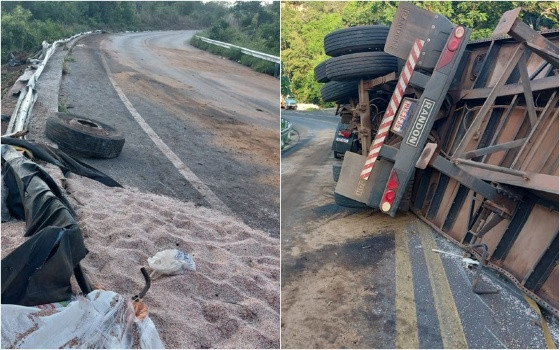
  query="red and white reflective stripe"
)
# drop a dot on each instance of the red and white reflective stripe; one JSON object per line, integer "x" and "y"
{"x": 396, "y": 99}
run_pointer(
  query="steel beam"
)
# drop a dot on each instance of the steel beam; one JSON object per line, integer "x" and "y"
{"x": 538, "y": 128}
{"x": 525, "y": 81}
{"x": 534, "y": 181}
{"x": 512, "y": 25}
{"x": 466, "y": 178}
{"x": 536, "y": 143}
{"x": 542, "y": 268}
{"x": 371, "y": 83}
{"x": 495, "y": 168}
{"x": 510, "y": 89}
{"x": 492, "y": 149}
{"x": 364, "y": 110}
{"x": 487, "y": 106}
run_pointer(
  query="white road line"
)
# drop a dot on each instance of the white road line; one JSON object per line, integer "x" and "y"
{"x": 187, "y": 173}
{"x": 499, "y": 341}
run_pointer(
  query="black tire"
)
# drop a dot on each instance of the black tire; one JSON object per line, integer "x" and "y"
{"x": 336, "y": 168}
{"x": 337, "y": 155}
{"x": 339, "y": 91}
{"x": 362, "y": 65}
{"x": 347, "y": 202}
{"x": 356, "y": 39}
{"x": 321, "y": 72}
{"x": 84, "y": 136}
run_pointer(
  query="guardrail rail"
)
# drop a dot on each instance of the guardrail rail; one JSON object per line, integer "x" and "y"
{"x": 244, "y": 50}
{"x": 285, "y": 132}
{"x": 20, "y": 117}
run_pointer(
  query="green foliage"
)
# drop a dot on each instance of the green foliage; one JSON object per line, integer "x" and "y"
{"x": 236, "y": 55}
{"x": 66, "y": 63}
{"x": 249, "y": 24}
{"x": 305, "y": 24}
{"x": 539, "y": 14}
{"x": 357, "y": 13}
{"x": 25, "y": 24}
{"x": 62, "y": 107}
{"x": 285, "y": 85}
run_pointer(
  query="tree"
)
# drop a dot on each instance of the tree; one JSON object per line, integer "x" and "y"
{"x": 16, "y": 33}
{"x": 304, "y": 25}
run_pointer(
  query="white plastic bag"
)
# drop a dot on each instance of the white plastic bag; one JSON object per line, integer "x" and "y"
{"x": 103, "y": 319}
{"x": 171, "y": 262}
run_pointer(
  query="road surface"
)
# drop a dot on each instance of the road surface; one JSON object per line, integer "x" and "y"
{"x": 360, "y": 279}
{"x": 198, "y": 127}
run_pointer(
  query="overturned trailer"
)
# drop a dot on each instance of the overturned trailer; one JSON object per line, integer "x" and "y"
{"x": 469, "y": 139}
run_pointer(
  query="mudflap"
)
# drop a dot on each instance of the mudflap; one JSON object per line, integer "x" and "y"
{"x": 367, "y": 191}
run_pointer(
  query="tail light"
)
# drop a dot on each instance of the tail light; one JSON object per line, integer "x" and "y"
{"x": 390, "y": 192}
{"x": 345, "y": 134}
{"x": 453, "y": 43}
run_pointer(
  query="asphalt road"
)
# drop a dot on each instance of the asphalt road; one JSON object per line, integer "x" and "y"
{"x": 307, "y": 124}
{"x": 360, "y": 279}
{"x": 198, "y": 127}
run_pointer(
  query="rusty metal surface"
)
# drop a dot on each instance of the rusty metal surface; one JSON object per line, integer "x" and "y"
{"x": 506, "y": 22}
{"x": 503, "y": 129}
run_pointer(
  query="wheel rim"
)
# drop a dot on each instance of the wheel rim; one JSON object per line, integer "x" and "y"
{"x": 86, "y": 123}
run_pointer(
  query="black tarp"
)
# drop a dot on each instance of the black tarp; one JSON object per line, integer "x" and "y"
{"x": 65, "y": 162}
{"x": 39, "y": 271}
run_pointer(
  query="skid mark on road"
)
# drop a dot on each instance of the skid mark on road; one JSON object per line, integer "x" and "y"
{"x": 406, "y": 323}
{"x": 187, "y": 173}
{"x": 452, "y": 333}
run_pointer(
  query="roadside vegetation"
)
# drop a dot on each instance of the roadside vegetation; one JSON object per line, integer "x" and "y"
{"x": 305, "y": 24}
{"x": 251, "y": 24}
{"x": 26, "y": 24}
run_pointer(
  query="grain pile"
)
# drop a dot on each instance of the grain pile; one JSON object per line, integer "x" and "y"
{"x": 232, "y": 300}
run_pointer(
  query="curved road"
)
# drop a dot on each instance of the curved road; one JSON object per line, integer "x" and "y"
{"x": 197, "y": 127}
{"x": 306, "y": 124}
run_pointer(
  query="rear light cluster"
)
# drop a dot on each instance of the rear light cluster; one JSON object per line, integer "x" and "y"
{"x": 345, "y": 134}
{"x": 390, "y": 192}
{"x": 452, "y": 46}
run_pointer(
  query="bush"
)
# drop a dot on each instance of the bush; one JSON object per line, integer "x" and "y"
{"x": 234, "y": 54}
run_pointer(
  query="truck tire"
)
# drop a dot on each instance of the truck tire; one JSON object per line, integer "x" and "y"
{"x": 356, "y": 39}
{"x": 347, "y": 202}
{"x": 337, "y": 155}
{"x": 361, "y": 65}
{"x": 336, "y": 168}
{"x": 321, "y": 72}
{"x": 339, "y": 91}
{"x": 85, "y": 136}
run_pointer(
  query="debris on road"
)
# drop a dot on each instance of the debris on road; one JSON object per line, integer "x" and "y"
{"x": 111, "y": 324}
{"x": 469, "y": 263}
{"x": 171, "y": 262}
{"x": 446, "y": 253}
{"x": 84, "y": 135}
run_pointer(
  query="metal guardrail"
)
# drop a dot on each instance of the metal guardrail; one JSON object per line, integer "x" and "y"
{"x": 244, "y": 50}
{"x": 285, "y": 132}
{"x": 27, "y": 98}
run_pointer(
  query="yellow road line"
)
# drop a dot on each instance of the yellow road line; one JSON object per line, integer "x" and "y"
{"x": 546, "y": 331}
{"x": 450, "y": 325}
{"x": 405, "y": 306}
